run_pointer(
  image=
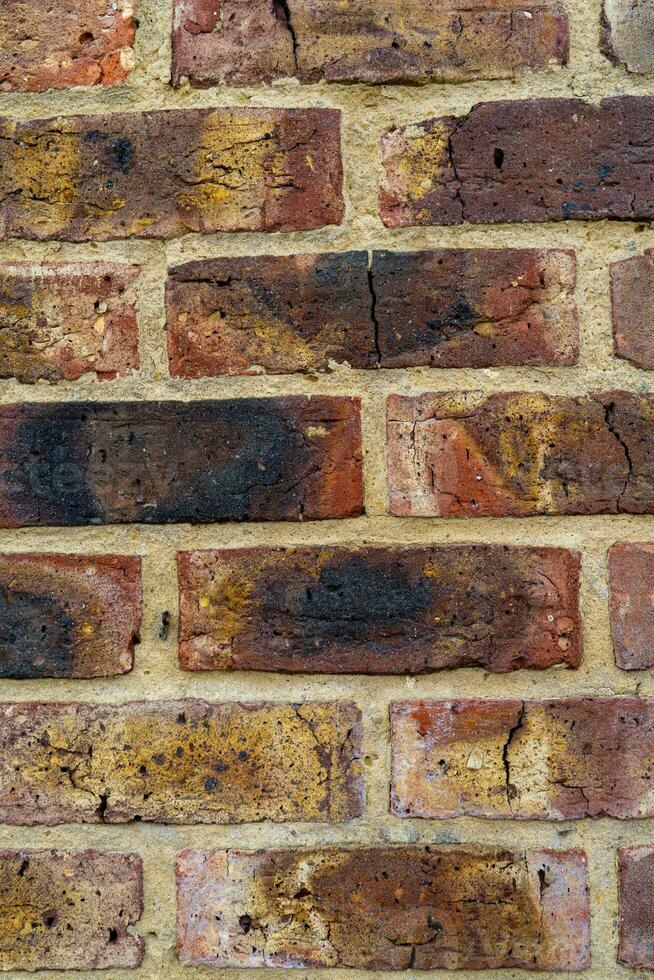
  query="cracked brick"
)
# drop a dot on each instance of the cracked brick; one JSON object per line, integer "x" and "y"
{"x": 523, "y": 160}
{"x": 305, "y": 313}
{"x": 379, "y": 610}
{"x": 47, "y": 45}
{"x": 288, "y": 458}
{"x": 61, "y": 320}
{"x": 165, "y": 173}
{"x": 514, "y": 454}
{"x": 179, "y": 762}
{"x": 531, "y": 760}
{"x": 384, "y": 908}
{"x": 242, "y": 42}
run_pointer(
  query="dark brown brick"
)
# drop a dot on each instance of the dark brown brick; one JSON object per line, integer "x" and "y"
{"x": 240, "y": 42}
{"x": 443, "y": 308}
{"x": 523, "y": 160}
{"x": 384, "y": 908}
{"x": 179, "y": 762}
{"x": 48, "y": 45}
{"x": 632, "y": 299}
{"x": 288, "y": 458}
{"x": 61, "y": 320}
{"x": 636, "y": 883}
{"x": 68, "y": 615}
{"x": 627, "y": 34}
{"x": 160, "y": 174}
{"x": 379, "y": 610}
{"x": 513, "y": 454}
{"x": 531, "y": 760}
{"x": 61, "y": 910}
{"x": 631, "y": 579}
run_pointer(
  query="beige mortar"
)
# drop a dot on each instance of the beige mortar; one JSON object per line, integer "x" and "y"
{"x": 367, "y": 112}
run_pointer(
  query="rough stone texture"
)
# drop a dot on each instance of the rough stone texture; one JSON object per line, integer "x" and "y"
{"x": 515, "y": 454}
{"x": 631, "y": 580}
{"x": 533, "y": 760}
{"x": 632, "y": 299}
{"x": 160, "y": 174}
{"x": 523, "y": 160}
{"x": 379, "y": 610}
{"x": 627, "y": 34}
{"x": 179, "y": 762}
{"x": 241, "y": 43}
{"x": 67, "y": 615}
{"x": 70, "y": 911}
{"x": 57, "y": 45}
{"x": 636, "y": 886}
{"x": 384, "y": 908}
{"x": 288, "y": 458}
{"x": 60, "y": 320}
{"x": 443, "y": 308}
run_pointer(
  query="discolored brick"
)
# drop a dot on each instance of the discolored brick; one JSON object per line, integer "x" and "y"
{"x": 161, "y": 174}
{"x": 636, "y": 886}
{"x": 631, "y": 580}
{"x": 532, "y": 760}
{"x": 627, "y": 34}
{"x": 288, "y": 458}
{"x": 442, "y": 308}
{"x": 68, "y": 615}
{"x": 632, "y": 295}
{"x": 513, "y": 454}
{"x": 47, "y": 45}
{"x": 384, "y": 908}
{"x": 241, "y": 42}
{"x": 61, "y": 910}
{"x": 523, "y": 160}
{"x": 179, "y": 762}
{"x": 62, "y": 320}
{"x": 379, "y": 610}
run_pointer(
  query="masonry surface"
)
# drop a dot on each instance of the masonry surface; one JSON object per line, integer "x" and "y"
{"x": 326, "y": 489}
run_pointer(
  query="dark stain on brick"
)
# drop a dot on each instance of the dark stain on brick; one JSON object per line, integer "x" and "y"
{"x": 121, "y": 154}
{"x": 36, "y": 635}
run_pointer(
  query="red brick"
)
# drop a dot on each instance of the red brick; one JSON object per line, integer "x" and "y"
{"x": 532, "y": 760}
{"x": 61, "y": 910}
{"x": 384, "y": 908}
{"x": 631, "y": 579}
{"x": 379, "y": 610}
{"x": 513, "y": 454}
{"x": 627, "y": 34}
{"x": 161, "y": 174}
{"x": 443, "y": 308}
{"x": 61, "y": 320}
{"x": 288, "y": 458}
{"x": 50, "y": 45}
{"x": 179, "y": 762}
{"x": 523, "y": 160}
{"x": 636, "y": 886}
{"x": 68, "y": 615}
{"x": 632, "y": 296}
{"x": 241, "y": 42}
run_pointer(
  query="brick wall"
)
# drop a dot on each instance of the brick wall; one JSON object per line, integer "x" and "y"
{"x": 326, "y": 487}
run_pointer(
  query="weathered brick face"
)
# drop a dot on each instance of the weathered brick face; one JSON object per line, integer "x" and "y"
{"x": 164, "y": 462}
{"x": 241, "y": 43}
{"x": 443, "y": 308}
{"x": 516, "y": 454}
{"x": 632, "y": 290}
{"x": 378, "y": 610}
{"x": 179, "y": 762}
{"x": 70, "y": 911}
{"x": 631, "y": 579}
{"x": 384, "y": 908}
{"x": 60, "y": 321}
{"x": 49, "y": 45}
{"x": 627, "y": 35}
{"x": 546, "y": 760}
{"x": 161, "y": 174}
{"x": 66, "y": 616}
{"x": 522, "y": 160}
{"x": 636, "y": 881}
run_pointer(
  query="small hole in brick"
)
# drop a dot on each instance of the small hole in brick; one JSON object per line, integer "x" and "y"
{"x": 113, "y": 936}
{"x": 85, "y": 38}
{"x": 498, "y": 157}
{"x": 245, "y": 922}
